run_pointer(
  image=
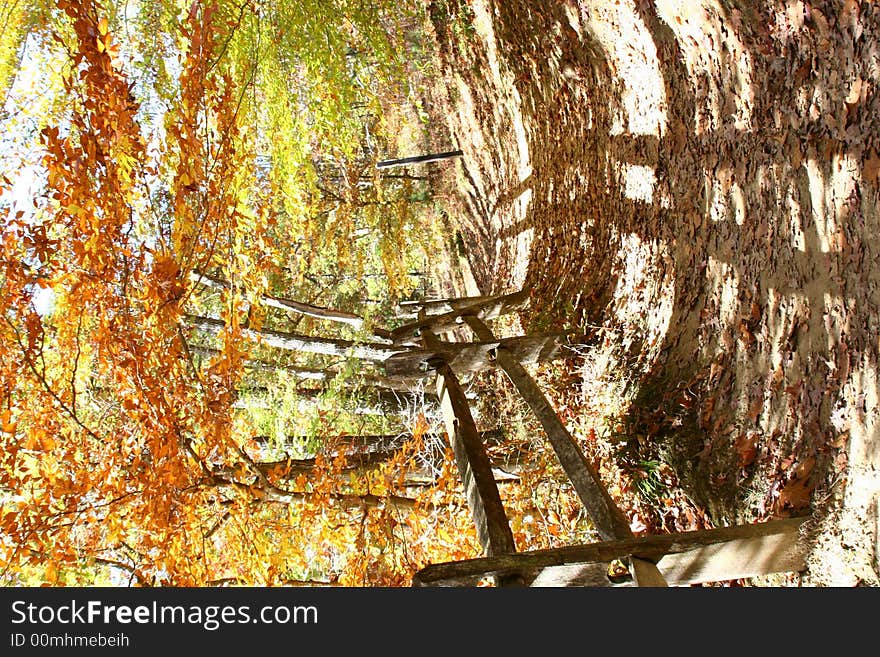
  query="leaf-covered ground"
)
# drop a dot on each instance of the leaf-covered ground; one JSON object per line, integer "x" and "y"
{"x": 694, "y": 187}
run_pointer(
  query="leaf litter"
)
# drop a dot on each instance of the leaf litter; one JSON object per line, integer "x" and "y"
{"x": 694, "y": 188}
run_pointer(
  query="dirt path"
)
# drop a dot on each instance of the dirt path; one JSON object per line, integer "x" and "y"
{"x": 694, "y": 185}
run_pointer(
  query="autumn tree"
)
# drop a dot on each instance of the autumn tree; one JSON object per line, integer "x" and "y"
{"x": 180, "y": 140}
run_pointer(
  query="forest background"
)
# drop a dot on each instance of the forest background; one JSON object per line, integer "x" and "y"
{"x": 201, "y": 264}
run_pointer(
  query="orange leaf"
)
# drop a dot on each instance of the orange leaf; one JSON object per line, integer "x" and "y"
{"x": 6, "y": 422}
{"x": 51, "y": 573}
{"x": 797, "y": 492}
{"x": 746, "y": 447}
{"x": 871, "y": 167}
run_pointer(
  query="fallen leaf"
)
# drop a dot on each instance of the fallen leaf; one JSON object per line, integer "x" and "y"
{"x": 755, "y": 408}
{"x": 797, "y": 492}
{"x": 871, "y": 167}
{"x": 707, "y": 410}
{"x": 803, "y": 72}
{"x": 755, "y": 311}
{"x": 804, "y": 468}
{"x": 617, "y": 569}
{"x": 747, "y": 448}
{"x": 855, "y": 92}
{"x": 745, "y": 333}
{"x": 840, "y": 439}
{"x": 850, "y": 7}
{"x": 636, "y": 525}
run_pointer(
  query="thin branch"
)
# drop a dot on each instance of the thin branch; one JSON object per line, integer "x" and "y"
{"x": 217, "y": 525}
{"x": 133, "y": 572}
{"x": 75, "y": 363}
{"x": 41, "y": 378}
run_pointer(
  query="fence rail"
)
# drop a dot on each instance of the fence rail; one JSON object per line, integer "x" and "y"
{"x": 655, "y": 560}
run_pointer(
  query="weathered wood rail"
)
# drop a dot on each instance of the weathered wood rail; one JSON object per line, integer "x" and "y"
{"x": 471, "y": 357}
{"x": 683, "y": 559}
{"x": 413, "y": 351}
{"x": 484, "y": 308}
{"x": 657, "y": 560}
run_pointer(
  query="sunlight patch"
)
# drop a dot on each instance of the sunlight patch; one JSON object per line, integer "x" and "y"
{"x": 639, "y": 181}
{"x": 716, "y": 197}
{"x": 795, "y": 214}
{"x": 633, "y": 57}
{"x": 716, "y": 57}
{"x": 738, "y": 201}
{"x": 522, "y": 250}
{"x": 816, "y": 179}
{"x": 725, "y": 280}
{"x": 842, "y": 189}
{"x": 861, "y": 420}
{"x": 644, "y": 297}
{"x": 483, "y": 24}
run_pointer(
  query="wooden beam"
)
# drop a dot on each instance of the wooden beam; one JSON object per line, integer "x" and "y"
{"x": 488, "y": 308}
{"x": 465, "y": 358}
{"x": 418, "y": 159}
{"x": 373, "y": 352}
{"x": 646, "y": 573}
{"x": 401, "y": 361}
{"x": 493, "y": 529}
{"x": 410, "y": 310}
{"x": 686, "y": 558}
{"x": 607, "y": 518}
{"x": 473, "y": 463}
{"x": 442, "y": 305}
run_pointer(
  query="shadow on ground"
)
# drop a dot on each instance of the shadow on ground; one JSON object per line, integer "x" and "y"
{"x": 695, "y": 186}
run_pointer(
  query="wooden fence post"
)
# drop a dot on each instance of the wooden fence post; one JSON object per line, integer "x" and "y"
{"x": 687, "y": 558}
{"x": 493, "y": 528}
{"x": 607, "y": 517}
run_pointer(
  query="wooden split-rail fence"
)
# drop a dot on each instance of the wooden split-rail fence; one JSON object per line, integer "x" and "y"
{"x": 678, "y": 559}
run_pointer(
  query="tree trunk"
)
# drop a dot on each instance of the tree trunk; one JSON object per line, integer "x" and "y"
{"x": 270, "y": 493}
{"x": 371, "y": 443}
{"x": 403, "y": 384}
{"x": 422, "y": 473}
{"x": 391, "y": 401}
{"x": 307, "y": 373}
